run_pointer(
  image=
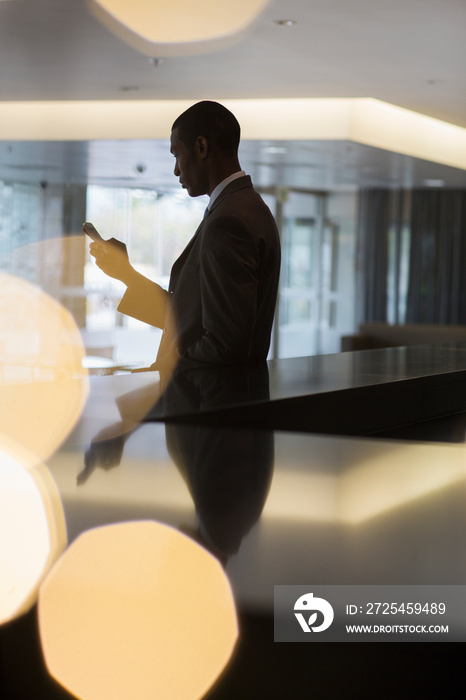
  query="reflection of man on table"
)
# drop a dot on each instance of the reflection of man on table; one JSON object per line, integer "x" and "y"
{"x": 220, "y": 303}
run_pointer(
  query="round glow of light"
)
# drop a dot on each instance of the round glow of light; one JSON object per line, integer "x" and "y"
{"x": 170, "y": 29}
{"x": 43, "y": 385}
{"x": 162, "y": 22}
{"x": 33, "y": 530}
{"x": 136, "y": 610}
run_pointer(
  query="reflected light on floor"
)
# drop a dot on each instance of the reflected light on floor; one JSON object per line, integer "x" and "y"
{"x": 32, "y": 526}
{"x": 297, "y": 495}
{"x": 43, "y": 384}
{"x": 367, "y": 479}
{"x": 137, "y": 610}
{"x": 388, "y": 481}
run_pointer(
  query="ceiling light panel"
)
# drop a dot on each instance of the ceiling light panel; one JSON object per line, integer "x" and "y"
{"x": 159, "y": 28}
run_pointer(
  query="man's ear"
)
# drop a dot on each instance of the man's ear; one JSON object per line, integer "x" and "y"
{"x": 202, "y": 146}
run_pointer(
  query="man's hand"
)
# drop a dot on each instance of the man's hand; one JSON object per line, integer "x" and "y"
{"x": 112, "y": 258}
{"x": 104, "y": 453}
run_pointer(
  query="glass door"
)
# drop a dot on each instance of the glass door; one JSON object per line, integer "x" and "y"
{"x": 298, "y": 314}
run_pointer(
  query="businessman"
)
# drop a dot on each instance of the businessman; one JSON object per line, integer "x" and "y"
{"x": 222, "y": 292}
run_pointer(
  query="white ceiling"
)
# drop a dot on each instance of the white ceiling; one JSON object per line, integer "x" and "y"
{"x": 411, "y": 53}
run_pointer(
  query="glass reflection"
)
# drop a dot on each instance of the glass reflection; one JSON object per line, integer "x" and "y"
{"x": 228, "y": 471}
{"x": 137, "y": 610}
{"x": 43, "y": 384}
{"x": 33, "y": 529}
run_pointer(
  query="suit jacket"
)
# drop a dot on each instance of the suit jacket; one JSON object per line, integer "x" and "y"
{"x": 221, "y": 299}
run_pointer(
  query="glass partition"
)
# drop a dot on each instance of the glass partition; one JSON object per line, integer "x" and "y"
{"x": 41, "y": 240}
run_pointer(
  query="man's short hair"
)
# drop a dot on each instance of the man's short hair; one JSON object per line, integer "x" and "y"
{"x": 211, "y": 120}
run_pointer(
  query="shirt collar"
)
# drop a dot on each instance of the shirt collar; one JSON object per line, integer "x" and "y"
{"x": 221, "y": 186}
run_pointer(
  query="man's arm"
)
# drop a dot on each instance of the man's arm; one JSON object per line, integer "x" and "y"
{"x": 144, "y": 300}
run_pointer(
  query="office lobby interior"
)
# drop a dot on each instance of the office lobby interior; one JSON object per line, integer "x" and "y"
{"x": 152, "y": 528}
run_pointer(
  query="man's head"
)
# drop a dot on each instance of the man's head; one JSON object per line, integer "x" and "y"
{"x": 204, "y": 141}
{"x": 213, "y": 121}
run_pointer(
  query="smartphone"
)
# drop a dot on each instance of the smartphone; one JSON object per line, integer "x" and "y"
{"x": 92, "y": 231}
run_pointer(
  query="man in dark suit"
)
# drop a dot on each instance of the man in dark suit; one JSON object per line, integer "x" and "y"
{"x": 221, "y": 299}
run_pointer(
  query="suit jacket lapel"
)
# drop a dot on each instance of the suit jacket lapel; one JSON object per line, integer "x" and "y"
{"x": 179, "y": 262}
{"x": 237, "y": 184}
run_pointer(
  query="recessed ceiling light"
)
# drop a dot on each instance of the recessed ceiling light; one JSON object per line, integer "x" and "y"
{"x": 276, "y": 150}
{"x": 433, "y": 183}
{"x": 285, "y": 22}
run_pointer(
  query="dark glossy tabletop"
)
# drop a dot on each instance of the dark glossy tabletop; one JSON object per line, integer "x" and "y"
{"x": 350, "y": 370}
{"x": 303, "y": 376}
{"x": 325, "y": 394}
{"x": 275, "y": 508}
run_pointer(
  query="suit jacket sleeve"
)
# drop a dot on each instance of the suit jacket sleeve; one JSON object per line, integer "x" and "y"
{"x": 146, "y": 301}
{"x": 228, "y": 270}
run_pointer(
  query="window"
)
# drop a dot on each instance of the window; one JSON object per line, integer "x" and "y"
{"x": 155, "y": 228}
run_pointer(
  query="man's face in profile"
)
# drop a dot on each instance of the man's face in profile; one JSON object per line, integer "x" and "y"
{"x": 189, "y": 165}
